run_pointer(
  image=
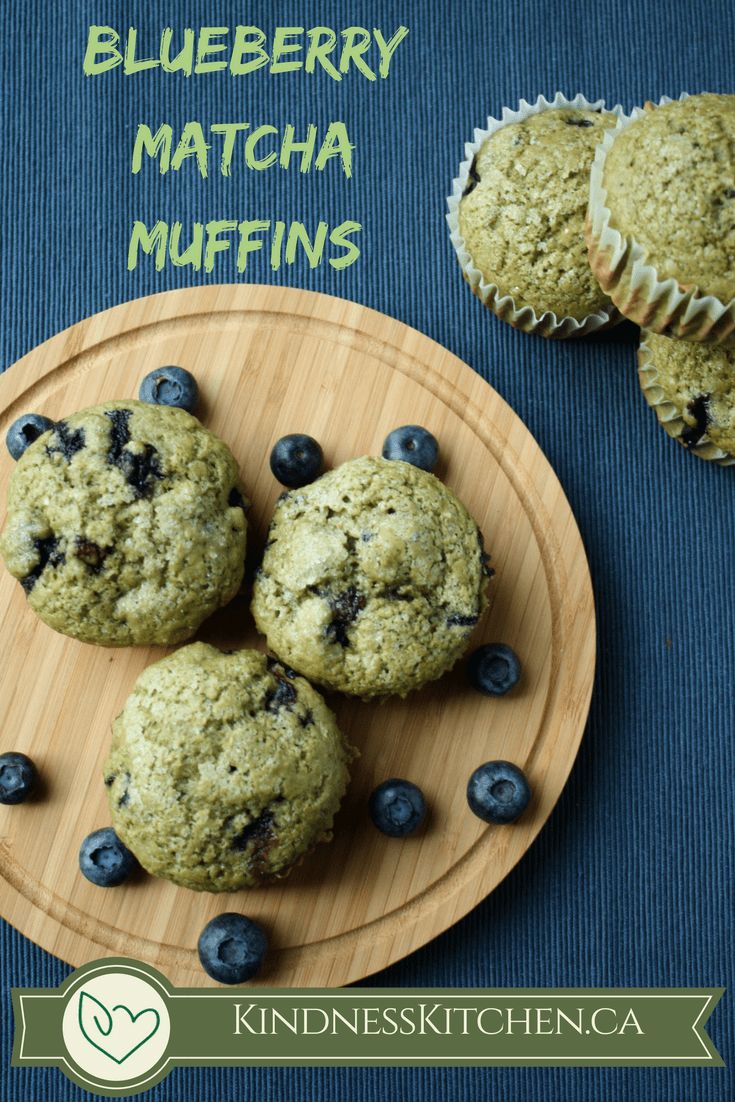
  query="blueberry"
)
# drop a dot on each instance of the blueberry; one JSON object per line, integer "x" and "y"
{"x": 494, "y": 669}
{"x": 231, "y": 948}
{"x": 498, "y": 792}
{"x": 18, "y": 777}
{"x": 24, "y": 430}
{"x": 296, "y": 460}
{"x": 105, "y": 860}
{"x": 397, "y": 807}
{"x": 170, "y": 386}
{"x": 413, "y": 445}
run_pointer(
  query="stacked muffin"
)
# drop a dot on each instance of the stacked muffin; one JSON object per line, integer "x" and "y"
{"x": 653, "y": 196}
{"x": 517, "y": 216}
{"x": 661, "y": 234}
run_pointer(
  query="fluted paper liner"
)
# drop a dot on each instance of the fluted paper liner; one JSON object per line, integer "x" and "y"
{"x": 547, "y": 324}
{"x": 618, "y": 261}
{"x": 669, "y": 416}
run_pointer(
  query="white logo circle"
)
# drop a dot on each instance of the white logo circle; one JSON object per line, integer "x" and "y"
{"x": 116, "y": 1026}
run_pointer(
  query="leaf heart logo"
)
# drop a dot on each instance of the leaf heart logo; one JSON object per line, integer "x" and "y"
{"x": 118, "y": 1033}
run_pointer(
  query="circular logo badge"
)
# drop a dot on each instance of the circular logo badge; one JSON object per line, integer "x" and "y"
{"x": 116, "y": 1026}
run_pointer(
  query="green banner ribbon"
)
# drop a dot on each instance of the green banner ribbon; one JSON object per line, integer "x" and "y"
{"x": 117, "y": 1026}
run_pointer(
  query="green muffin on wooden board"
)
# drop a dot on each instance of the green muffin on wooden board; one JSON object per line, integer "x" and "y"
{"x": 691, "y": 388}
{"x": 224, "y": 769}
{"x": 661, "y": 224}
{"x": 126, "y": 524}
{"x": 373, "y": 578}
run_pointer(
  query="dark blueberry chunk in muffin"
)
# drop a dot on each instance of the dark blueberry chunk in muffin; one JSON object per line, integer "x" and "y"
{"x": 346, "y": 607}
{"x": 258, "y": 835}
{"x": 484, "y": 557}
{"x": 698, "y": 409}
{"x": 396, "y": 593}
{"x": 48, "y": 555}
{"x": 91, "y": 553}
{"x": 283, "y": 696}
{"x": 65, "y": 442}
{"x": 140, "y": 469}
{"x": 259, "y": 829}
{"x": 125, "y": 797}
{"x": 473, "y": 178}
{"x": 578, "y": 122}
{"x": 119, "y": 434}
{"x": 457, "y": 620}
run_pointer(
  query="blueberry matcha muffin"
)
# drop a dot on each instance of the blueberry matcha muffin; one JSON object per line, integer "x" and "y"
{"x": 126, "y": 524}
{"x": 661, "y": 227}
{"x": 224, "y": 769}
{"x": 372, "y": 580}
{"x": 691, "y": 388}
{"x": 521, "y": 218}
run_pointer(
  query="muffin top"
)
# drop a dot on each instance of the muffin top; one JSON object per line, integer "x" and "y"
{"x": 670, "y": 181}
{"x": 522, "y": 213}
{"x": 372, "y": 580}
{"x": 224, "y": 769}
{"x": 126, "y": 524}
{"x": 698, "y": 380}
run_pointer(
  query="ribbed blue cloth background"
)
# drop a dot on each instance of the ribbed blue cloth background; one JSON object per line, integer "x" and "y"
{"x": 631, "y": 881}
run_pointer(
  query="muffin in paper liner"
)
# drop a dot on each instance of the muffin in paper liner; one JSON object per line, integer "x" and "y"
{"x": 660, "y": 304}
{"x": 687, "y": 412}
{"x": 523, "y": 316}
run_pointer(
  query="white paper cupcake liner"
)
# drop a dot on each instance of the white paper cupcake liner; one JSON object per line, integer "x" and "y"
{"x": 547, "y": 324}
{"x": 667, "y": 413}
{"x": 634, "y": 286}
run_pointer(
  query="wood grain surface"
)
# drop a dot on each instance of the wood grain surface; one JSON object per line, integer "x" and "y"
{"x": 270, "y": 361}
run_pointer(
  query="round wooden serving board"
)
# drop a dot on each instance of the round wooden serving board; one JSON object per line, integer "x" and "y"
{"x": 271, "y": 361}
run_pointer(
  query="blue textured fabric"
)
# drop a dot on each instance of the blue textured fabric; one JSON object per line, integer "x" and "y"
{"x": 631, "y": 881}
